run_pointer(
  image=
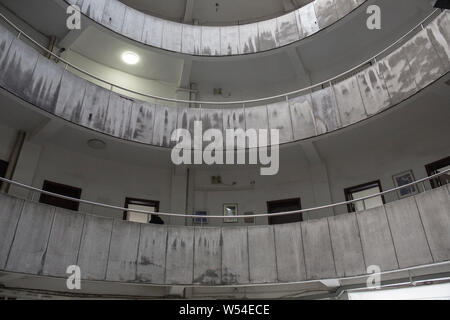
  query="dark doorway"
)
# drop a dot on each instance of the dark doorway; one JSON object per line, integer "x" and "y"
{"x": 436, "y": 167}
{"x": 283, "y": 206}
{"x": 61, "y": 189}
{"x": 144, "y": 205}
{"x": 3, "y": 167}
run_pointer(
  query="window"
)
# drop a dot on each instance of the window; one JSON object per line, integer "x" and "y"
{"x": 140, "y": 204}
{"x": 361, "y": 191}
{"x": 3, "y": 167}
{"x": 437, "y": 167}
{"x": 62, "y": 190}
{"x": 283, "y": 206}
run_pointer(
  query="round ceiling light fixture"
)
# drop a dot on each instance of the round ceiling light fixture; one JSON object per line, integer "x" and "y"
{"x": 96, "y": 144}
{"x": 130, "y": 57}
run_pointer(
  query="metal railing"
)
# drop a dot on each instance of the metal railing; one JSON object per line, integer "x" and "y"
{"x": 239, "y": 102}
{"x": 414, "y": 183}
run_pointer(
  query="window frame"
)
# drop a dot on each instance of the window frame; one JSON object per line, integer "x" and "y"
{"x": 436, "y": 165}
{"x": 44, "y": 197}
{"x": 140, "y": 202}
{"x": 361, "y": 187}
{"x": 297, "y": 201}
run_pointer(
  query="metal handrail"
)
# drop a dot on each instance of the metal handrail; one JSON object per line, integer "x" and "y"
{"x": 243, "y": 102}
{"x": 224, "y": 217}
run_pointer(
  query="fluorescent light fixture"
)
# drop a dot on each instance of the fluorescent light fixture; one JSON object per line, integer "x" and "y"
{"x": 130, "y": 57}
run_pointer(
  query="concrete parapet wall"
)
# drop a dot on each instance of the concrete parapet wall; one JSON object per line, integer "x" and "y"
{"x": 41, "y": 240}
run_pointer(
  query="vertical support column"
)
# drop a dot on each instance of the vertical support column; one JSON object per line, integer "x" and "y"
{"x": 179, "y": 194}
{"x": 320, "y": 182}
{"x": 25, "y": 170}
{"x": 13, "y": 159}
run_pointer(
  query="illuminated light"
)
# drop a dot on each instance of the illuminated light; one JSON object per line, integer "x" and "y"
{"x": 130, "y": 57}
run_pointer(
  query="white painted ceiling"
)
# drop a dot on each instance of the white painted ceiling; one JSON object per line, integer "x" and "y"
{"x": 102, "y": 47}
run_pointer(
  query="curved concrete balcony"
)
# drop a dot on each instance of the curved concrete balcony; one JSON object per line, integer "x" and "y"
{"x": 214, "y": 40}
{"x": 42, "y": 240}
{"x": 394, "y": 78}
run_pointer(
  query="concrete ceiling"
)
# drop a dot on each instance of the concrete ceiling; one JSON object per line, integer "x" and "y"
{"x": 46, "y": 16}
{"x": 216, "y": 12}
{"x": 102, "y": 47}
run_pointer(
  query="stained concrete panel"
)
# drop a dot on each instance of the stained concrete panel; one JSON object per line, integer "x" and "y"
{"x": 118, "y": 116}
{"x": 439, "y": 34}
{"x": 45, "y": 84}
{"x": 325, "y": 110}
{"x": 95, "y": 106}
{"x": 94, "y": 248}
{"x": 344, "y": 7}
{"x": 212, "y": 119}
{"x": 302, "y": 117}
{"x": 326, "y": 12}
{"x": 165, "y": 124}
{"x": 17, "y": 69}
{"x": 347, "y": 248}
{"x": 262, "y": 255}
{"x": 94, "y": 9}
{"x": 151, "y": 260}
{"x": 70, "y": 97}
{"x": 289, "y": 249}
{"x": 248, "y": 38}
{"x": 9, "y": 217}
{"x": 287, "y": 29}
{"x": 235, "y": 263}
{"x": 229, "y": 40}
{"x": 171, "y": 39}
{"x": 408, "y": 233}
{"x": 426, "y": 66}
{"x": 6, "y": 39}
{"x": 349, "y": 101}
{"x": 180, "y": 255}
{"x": 256, "y": 118}
{"x": 64, "y": 242}
{"x": 375, "y": 234}
{"x": 153, "y": 31}
{"x": 122, "y": 260}
{"x": 186, "y": 119}
{"x": 396, "y": 72}
{"x": 210, "y": 41}
{"x": 434, "y": 208}
{"x": 141, "y": 122}
{"x": 373, "y": 90}
{"x": 280, "y": 119}
{"x": 114, "y": 15}
{"x": 318, "y": 250}
{"x": 307, "y": 20}
{"x": 233, "y": 119}
{"x": 191, "y": 39}
{"x": 207, "y": 256}
{"x": 267, "y": 32}
{"x": 133, "y": 24}
{"x": 30, "y": 241}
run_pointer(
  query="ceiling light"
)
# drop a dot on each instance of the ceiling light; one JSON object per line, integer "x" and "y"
{"x": 130, "y": 57}
{"x": 96, "y": 144}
